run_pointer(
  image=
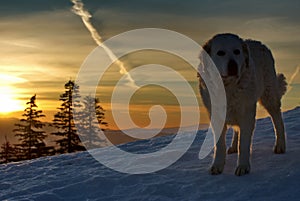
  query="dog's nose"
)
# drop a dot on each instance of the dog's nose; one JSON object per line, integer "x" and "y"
{"x": 232, "y": 68}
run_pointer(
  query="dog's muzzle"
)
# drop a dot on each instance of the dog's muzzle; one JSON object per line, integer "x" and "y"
{"x": 232, "y": 68}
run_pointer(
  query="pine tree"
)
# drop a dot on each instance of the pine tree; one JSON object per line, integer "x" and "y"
{"x": 7, "y": 153}
{"x": 91, "y": 121}
{"x": 64, "y": 121}
{"x": 29, "y": 131}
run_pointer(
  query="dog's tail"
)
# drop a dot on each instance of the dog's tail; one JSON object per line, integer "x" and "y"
{"x": 282, "y": 84}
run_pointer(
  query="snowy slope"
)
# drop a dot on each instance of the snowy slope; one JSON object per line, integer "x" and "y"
{"x": 80, "y": 177}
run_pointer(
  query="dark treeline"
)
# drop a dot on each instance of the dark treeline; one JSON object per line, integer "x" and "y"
{"x": 31, "y": 135}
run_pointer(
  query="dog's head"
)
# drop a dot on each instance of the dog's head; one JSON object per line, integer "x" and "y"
{"x": 230, "y": 55}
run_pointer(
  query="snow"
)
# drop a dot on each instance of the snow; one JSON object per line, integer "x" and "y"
{"x": 79, "y": 176}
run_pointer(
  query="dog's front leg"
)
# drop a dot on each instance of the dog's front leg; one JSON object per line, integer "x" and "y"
{"x": 220, "y": 154}
{"x": 245, "y": 139}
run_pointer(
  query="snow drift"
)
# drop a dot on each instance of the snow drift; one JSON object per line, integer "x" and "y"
{"x": 80, "y": 177}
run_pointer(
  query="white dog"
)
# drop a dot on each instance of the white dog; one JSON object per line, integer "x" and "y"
{"x": 248, "y": 73}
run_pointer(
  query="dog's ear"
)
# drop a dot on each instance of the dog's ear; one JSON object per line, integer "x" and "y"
{"x": 206, "y": 49}
{"x": 246, "y": 53}
{"x": 207, "y": 46}
{"x": 246, "y": 73}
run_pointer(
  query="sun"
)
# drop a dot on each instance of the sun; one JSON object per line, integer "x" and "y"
{"x": 7, "y": 101}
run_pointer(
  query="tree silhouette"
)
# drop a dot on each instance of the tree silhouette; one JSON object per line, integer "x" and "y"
{"x": 29, "y": 131}
{"x": 7, "y": 153}
{"x": 91, "y": 121}
{"x": 64, "y": 122}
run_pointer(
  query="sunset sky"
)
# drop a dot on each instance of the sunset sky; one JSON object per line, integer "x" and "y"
{"x": 43, "y": 44}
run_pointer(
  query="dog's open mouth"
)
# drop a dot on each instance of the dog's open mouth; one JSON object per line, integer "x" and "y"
{"x": 229, "y": 79}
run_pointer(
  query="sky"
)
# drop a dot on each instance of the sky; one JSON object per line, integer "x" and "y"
{"x": 43, "y": 44}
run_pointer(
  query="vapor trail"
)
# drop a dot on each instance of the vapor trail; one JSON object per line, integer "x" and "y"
{"x": 292, "y": 78}
{"x": 78, "y": 9}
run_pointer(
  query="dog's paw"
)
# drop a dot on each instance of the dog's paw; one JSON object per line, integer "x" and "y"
{"x": 232, "y": 150}
{"x": 279, "y": 148}
{"x": 216, "y": 169}
{"x": 242, "y": 170}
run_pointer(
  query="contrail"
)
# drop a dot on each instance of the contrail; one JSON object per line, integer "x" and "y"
{"x": 292, "y": 78}
{"x": 78, "y": 9}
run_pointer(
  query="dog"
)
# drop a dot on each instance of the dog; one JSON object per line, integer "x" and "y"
{"x": 248, "y": 74}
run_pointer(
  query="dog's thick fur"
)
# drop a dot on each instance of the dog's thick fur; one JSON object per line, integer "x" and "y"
{"x": 248, "y": 73}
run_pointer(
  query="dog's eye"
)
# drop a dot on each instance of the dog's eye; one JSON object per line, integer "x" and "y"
{"x": 221, "y": 53}
{"x": 237, "y": 52}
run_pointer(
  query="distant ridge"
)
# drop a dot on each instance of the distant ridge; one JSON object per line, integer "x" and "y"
{"x": 115, "y": 136}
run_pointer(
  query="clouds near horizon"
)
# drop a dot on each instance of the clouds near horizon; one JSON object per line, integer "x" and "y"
{"x": 44, "y": 44}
